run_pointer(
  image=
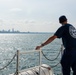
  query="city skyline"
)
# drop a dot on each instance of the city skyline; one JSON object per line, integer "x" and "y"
{"x": 17, "y": 31}
{"x": 9, "y": 30}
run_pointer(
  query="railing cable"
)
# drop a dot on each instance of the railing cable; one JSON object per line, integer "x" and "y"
{"x": 51, "y": 59}
{"x": 8, "y": 63}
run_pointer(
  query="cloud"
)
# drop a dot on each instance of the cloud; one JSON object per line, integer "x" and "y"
{"x": 15, "y": 9}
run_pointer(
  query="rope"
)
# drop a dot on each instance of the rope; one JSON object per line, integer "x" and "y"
{"x": 8, "y": 63}
{"x": 55, "y": 65}
{"x": 51, "y": 59}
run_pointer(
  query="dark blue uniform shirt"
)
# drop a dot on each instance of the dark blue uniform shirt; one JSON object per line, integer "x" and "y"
{"x": 68, "y": 34}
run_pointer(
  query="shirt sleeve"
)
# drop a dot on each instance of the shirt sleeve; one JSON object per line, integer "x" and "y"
{"x": 60, "y": 32}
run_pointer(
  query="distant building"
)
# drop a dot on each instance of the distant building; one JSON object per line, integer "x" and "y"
{"x": 9, "y": 31}
{"x": 12, "y": 29}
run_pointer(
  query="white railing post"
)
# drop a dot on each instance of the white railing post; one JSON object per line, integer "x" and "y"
{"x": 40, "y": 62}
{"x": 17, "y": 65}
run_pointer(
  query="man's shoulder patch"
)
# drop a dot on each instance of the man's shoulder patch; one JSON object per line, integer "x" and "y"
{"x": 72, "y": 31}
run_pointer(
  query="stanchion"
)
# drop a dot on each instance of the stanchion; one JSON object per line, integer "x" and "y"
{"x": 40, "y": 62}
{"x": 17, "y": 66}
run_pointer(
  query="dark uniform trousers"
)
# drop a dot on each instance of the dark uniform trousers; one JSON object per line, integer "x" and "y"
{"x": 68, "y": 61}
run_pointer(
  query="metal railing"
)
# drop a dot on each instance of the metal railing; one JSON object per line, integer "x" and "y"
{"x": 40, "y": 57}
{"x": 19, "y": 53}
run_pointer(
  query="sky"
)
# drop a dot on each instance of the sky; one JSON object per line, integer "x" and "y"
{"x": 35, "y": 15}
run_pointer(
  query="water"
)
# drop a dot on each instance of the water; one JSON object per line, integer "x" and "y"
{"x": 10, "y": 43}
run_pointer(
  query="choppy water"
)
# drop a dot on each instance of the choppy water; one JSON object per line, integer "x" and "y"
{"x": 10, "y": 43}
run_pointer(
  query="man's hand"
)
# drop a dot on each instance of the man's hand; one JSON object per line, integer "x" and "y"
{"x": 38, "y": 47}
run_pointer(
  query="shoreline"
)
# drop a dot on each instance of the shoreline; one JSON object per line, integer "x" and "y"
{"x": 26, "y": 32}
